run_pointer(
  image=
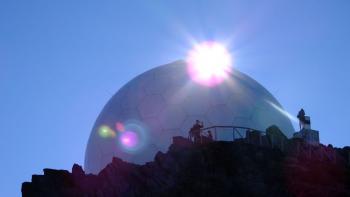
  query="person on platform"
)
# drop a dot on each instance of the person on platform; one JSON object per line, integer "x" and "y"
{"x": 301, "y": 117}
{"x": 196, "y": 131}
{"x": 191, "y": 134}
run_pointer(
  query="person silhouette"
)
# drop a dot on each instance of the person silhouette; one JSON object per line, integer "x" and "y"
{"x": 191, "y": 134}
{"x": 301, "y": 114}
{"x": 196, "y": 131}
{"x": 301, "y": 117}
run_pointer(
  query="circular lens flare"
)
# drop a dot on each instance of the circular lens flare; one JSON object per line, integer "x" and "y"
{"x": 209, "y": 63}
{"x": 132, "y": 136}
{"x": 129, "y": 139}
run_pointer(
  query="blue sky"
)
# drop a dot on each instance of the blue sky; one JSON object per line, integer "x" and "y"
{"x": 60, "y": 62}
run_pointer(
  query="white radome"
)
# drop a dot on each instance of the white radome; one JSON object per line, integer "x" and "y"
{"x": 164, "y": 102}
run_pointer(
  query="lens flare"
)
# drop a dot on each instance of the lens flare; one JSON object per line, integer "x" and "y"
{"x": 133, "y": 137}
{"x": 129, "y": 139}
{"x": 105, "y": 132}
{"x": 119, "y": 127}
{"x": 209, "y": 63}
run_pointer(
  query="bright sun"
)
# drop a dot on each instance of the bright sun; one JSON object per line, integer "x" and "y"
{"x": 209, "y": 63}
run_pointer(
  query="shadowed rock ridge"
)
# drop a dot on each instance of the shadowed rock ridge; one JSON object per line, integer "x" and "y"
{"x": 236, "y": 168}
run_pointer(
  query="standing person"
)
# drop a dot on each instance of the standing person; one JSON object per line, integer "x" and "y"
{"x": 197, "y": 131}
{"x": 190, "y": 134}
{"x": 301, "y": 117}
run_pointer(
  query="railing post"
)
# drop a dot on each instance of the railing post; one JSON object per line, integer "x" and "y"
{"x": 233, "y": 134}
{"x": 215, "y": 134}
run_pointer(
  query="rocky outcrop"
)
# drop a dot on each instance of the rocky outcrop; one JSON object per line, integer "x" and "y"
{"x": 213, "y": 169}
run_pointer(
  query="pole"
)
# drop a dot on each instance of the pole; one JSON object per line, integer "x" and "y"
{"x": 233, "y": 134}
{"x": 215, "y": 134}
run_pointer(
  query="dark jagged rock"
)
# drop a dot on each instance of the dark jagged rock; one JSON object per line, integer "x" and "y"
{"x": 213, "y": 169}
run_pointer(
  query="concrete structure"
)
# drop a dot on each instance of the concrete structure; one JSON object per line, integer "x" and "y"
{"x": 308, "y": 135}
{"x": 306, "y": 123}
{"x": 254, "y": 137}
{"x": 276, "y": 137}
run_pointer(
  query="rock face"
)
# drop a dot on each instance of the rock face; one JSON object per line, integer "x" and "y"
{"x": 213, "y": 169}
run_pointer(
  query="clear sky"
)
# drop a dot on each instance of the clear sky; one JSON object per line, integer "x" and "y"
{"x": 60, "y": 62}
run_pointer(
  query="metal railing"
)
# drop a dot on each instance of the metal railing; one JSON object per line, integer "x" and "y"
{"x": 234, "y": 129}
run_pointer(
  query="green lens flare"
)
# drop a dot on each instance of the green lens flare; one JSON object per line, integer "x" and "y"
{"x": 106, "y": 132}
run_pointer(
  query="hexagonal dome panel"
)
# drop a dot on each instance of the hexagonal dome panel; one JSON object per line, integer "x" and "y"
{"x": 172, "y": 116}
{"x": 151, "y": 105}
{"x": 220, "y": 115}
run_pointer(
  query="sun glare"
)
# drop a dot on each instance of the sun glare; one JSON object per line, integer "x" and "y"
{"x": 209, "y": 63}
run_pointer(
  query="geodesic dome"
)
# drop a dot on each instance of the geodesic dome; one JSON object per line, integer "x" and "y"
{"x": 144, "y": 115}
